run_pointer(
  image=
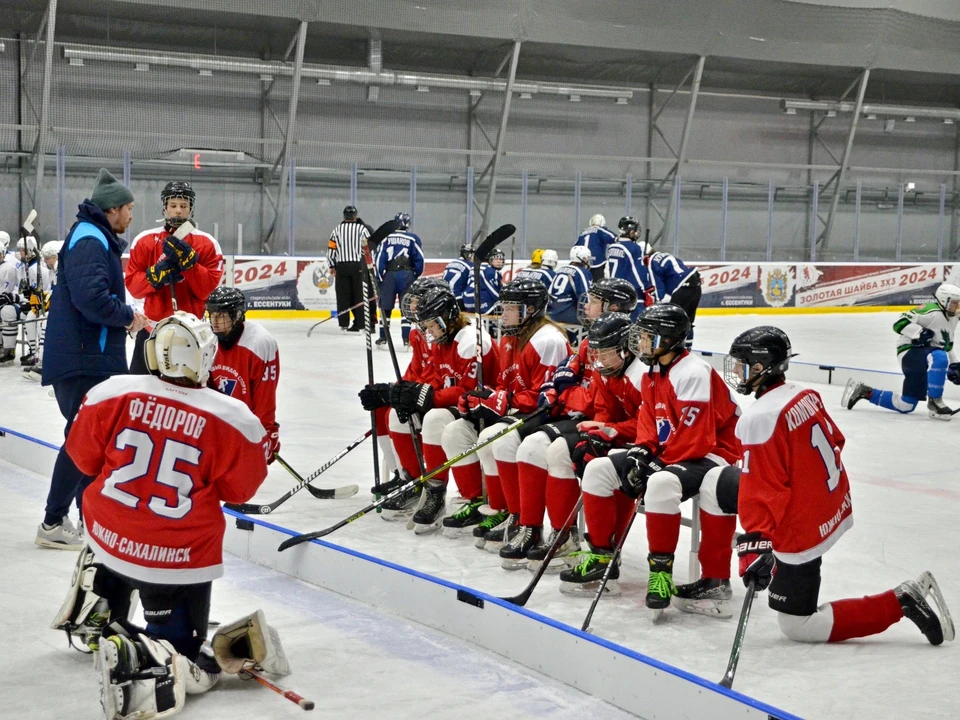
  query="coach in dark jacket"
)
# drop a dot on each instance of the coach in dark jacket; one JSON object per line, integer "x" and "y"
{"x": 86, "y": 339}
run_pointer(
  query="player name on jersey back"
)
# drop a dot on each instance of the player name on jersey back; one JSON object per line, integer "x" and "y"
{"x": 156, "y": 415}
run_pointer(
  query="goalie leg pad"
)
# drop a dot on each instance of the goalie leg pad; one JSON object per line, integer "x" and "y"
{"x": 250, "y": 640}
{"x": 141, "y": 677}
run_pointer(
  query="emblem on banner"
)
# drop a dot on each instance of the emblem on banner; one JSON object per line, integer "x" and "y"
{"x": 776, "y": 284}
{"x": 321, "y": 276}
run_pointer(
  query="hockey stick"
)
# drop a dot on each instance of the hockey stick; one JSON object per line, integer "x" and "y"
{"x": 606, "y": 573}
{"x": 522, "y": 598}
{"x": 185, "y": 229}
{"x": 322, "y": 493}
{"x": 288, "y": 694}
{"x": 332, "y": 316}
{"x": 727, "y": 680}
{"x": 479, "y": 257}
{"x": 307, "y": 537}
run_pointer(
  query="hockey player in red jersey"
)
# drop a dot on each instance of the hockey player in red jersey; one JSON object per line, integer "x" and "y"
{"x": 794, "y": 504}
{"x": 247, "y": 365}
{"x": 162, "y": 268}
{"x": 165, "y": 451}
{"x": 685, "y": 434}
{"x": 530, "y": 351}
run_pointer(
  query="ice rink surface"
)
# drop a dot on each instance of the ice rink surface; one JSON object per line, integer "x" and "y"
{"x": 354, "y": 660}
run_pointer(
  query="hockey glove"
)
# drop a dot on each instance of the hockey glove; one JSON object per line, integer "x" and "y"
{"x": 548, "y": 395}
{"x": 953, "y": 373}
{"x": 636, "y": 470}
{"x": 567, "y": 374}
{"x": 375, "y": 396}
{"x": 594, "y": 443}
{"x": 180, "y": 252}
{"x": 8, "y": 298}
{"x": 411, "y": 397}
{"x": 755, "y": 551}
{"x": 485, "y": 404}
{"x": 924, "y": 338}
{"x": 274, "y": 446}
{"x": 165, "y": 272}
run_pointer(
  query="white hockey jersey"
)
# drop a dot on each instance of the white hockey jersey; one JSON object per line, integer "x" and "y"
{"x": 929, "y": 317}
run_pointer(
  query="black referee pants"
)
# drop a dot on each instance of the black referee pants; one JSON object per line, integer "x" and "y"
{"x": 349, "y": 289}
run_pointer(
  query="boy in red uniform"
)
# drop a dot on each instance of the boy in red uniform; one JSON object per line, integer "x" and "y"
{"x": 794, "y": 504}
{"x": 162, "y": 268}
{"x": 165, "y": 452}
{"x": 247, "y": 364}
{"x": 685, "y": 435}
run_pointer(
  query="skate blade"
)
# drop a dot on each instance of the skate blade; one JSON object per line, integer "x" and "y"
{"x": 928, "y": 584}
{"x": 511, "y": 564}
{"x": 589, "y": 589}
{"x": 396, "y": 515}
{"x": 938, "y": 416}
{"x": 656, "y": 615}
{"x": 847, "y": 394}
{"x": 426, "y": 528}
{"x": 553, "y": 568}
{"x": 710, "y": 608}
{"x": 493, "y": 546}
{"x": 458, "y": 532}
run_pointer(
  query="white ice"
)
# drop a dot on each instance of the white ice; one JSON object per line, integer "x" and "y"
{"x": 352, "y": 659}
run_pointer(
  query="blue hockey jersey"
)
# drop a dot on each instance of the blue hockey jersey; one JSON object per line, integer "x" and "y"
{"x": 625, "y": 261}
{"x": 667, "y": 273}
{"x": 490, "y": 286}
{"x": 541, "y": 274}
{"x": 400, "y": 248}
{"x": 457, "y": 276}
{"x": 597, "y": 240}
{"x": 570, "y": 283}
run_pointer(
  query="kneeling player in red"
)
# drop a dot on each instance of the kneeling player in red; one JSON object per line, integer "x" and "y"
{"x": 247, "y": 363}
{"x": 794, "y": 504}
{"x": 165, "y": 451}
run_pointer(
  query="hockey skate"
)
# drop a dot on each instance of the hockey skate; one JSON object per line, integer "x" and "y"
{"x": 563, "y": 558}
{"x": 660, "y": 587}
{"x": 513, "y": 555}
{"x": 495, "y": 523}
{"x": 29, "y": 359}
{"x": 706, "y": 596}
{"x": 64, "y": 536}
{"x": 390, "y": 485}
{"x": 403, "y": 505}
{"x": 854, "y": 392}
{"x": 912, "y": 594}
{"x": 381, "y": 344}
{"x": 7, "y": 357}
{"x": 938, "y": 410}
{"x": 33, "y": 372}
{"x": 585, "y": 577}
{"x": 464, "y": 519}
{"x": 433, "y": 503}
{"x": 501, "y": 534}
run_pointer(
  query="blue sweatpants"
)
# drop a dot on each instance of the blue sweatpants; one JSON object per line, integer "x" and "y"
{"x": 924, "y": 374}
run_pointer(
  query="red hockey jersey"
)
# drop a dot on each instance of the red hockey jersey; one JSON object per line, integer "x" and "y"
{"x": 163, "y": 458}
{"x": 198, "y": 282}
{"x": 616, "y": 400}
{"x": 420, "y": 369}
{"x": 249, "y": 372}
{"x": 688, "y": 412}
{"x": 455, "y": 366}
{"x": 793, "y": 486}
{"x": 524, "y": 370}
{"x": 579, "y": 398}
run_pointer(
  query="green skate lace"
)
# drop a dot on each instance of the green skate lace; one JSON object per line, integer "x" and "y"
{"x": 589, "y": 559}
{"x": 661, "y": 583}
{"x": 491, "y": 521}
{"x": 466, "y": 510}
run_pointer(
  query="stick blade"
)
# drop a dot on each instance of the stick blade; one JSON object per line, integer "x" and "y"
{"x": 28, "y": 223}
{"x": 491, "y": 241}
{"x": 184, "y": 230}
{"x": 381, "y": 233}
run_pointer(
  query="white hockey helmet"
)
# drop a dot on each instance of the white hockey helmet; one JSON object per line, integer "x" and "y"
{"x": 51, "y": 249}
{"x": 30, "y": 243}
{"x": 4, "y": 242}
{"x": 598, "y": 220}
{"x": 581, "y": 253}
{"x": 948, "y": 297}
{"x": 181, "y": 346}
{"x": 550, "y": 259}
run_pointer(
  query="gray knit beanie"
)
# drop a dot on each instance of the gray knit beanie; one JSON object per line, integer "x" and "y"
{"x": 110, "y": 192}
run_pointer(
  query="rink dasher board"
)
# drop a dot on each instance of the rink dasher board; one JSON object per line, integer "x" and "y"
{"x": 622, "y": 677}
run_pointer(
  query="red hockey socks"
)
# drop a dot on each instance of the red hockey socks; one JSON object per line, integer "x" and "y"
{"x": 495, "y": 495}
{"x": 469, "y": 479}
{"x": 510, "y": 484}
{"x": 434, "y": 456}
{"x": 601, "y": 516}
{"x": 533, "y": 493}
{"x": 869, "y": 615}
{"x": 663, "y": 533}
{"x": 626, "y": 507}
{"x": 383, "y": 424}
{"x": 562, "y": 496}
{"x": 406, "y": 453}
{"x": 716, "y": 544}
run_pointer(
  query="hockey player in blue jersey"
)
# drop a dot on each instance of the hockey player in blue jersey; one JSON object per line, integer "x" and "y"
{"x": 490, "y": 284}
{"x": 571, "y": 282}
{"x": 399, "y": 263}
{"x": 625, "y": 258}
{"x": 457, "y": 273}
{"x": 542, "y": 267}
{"x": 670, "y": 281}
{"x": 597, "y": 238}
{"x": 925, "y": 350}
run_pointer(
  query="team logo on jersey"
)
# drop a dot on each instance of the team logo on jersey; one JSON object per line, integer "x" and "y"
{"x": 776, "y": 284}
{"x": 664, "y": 430}
{"x": 227, "y": 386}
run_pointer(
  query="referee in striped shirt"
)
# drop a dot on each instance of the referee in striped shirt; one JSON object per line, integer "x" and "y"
{"x": 345, "y": 255}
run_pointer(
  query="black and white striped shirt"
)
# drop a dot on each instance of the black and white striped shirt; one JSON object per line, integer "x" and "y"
{"x": 346, "y": 243}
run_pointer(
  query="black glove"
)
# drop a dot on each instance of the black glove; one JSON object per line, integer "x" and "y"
{"x": 594, "y": 443}
{"x": 755, "y": 551}
{"x": 165, "y": 272}
{"x": 180, "y": 252}
{"x": 375, "y": 396}
{"x": 636, "y": 470}
{"x": 8, "y": 298}
{"x": 411, "y": 397}
{"x": 953, "y": 373}
{"x": 924, "y": 338}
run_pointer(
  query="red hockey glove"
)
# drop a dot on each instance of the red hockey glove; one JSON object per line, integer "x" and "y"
{"x": 274, "y": 446}
{"x": 485, "y": 404}
{"x": 757, "y": 562}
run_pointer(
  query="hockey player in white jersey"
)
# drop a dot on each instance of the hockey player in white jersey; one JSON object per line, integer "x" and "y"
{"x": 10, "y": 299}
{"x": 35, "y": 292}
{"x": 925, "y": 350}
